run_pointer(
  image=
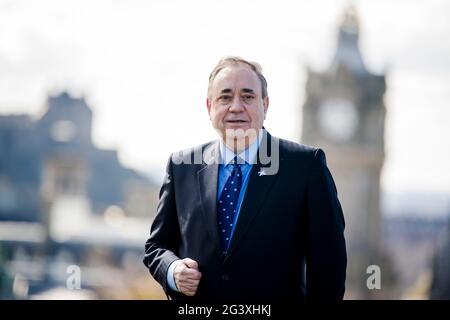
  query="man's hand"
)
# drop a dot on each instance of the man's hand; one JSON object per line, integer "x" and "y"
{"x": 187, "y": 277}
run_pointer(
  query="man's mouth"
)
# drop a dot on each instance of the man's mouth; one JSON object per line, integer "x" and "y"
{"x": 236, "y": 121}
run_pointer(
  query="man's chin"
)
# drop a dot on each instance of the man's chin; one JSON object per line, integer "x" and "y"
{"x": 240, "y": 133}
{"x": 237, "y": 127}
{"x": 239, "y": 139}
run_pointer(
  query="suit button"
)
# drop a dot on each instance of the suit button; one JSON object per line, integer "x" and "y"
{"x": 225, "y": 277}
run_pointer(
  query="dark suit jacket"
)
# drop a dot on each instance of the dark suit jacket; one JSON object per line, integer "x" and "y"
{"x": 287, "y": 220}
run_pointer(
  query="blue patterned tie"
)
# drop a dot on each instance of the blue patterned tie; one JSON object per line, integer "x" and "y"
{"x": 226, "y": 208}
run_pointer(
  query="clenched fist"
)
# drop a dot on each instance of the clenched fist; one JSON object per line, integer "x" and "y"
{"x": 187, "y": 277}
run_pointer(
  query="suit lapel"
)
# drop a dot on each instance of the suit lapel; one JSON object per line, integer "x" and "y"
{"x": 257, "y": 191}
{"x": 207, "y": 183}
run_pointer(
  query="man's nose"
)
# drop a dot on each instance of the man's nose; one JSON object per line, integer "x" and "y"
{"x": 236, "y": 105}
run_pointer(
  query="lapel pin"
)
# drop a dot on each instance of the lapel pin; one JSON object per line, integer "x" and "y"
{"x": 261, "y": 172}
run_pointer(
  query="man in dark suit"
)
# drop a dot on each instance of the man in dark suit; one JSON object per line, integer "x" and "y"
{"x": 248, "y": 216}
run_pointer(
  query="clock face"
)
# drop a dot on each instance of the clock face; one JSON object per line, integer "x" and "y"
{"x": 338, "y": 119}
{"x": 63, "y": 131}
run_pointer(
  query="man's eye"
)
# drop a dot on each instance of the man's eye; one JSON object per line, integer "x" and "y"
{"x": 247, "y": 97}
{"x": 224, "y": 98}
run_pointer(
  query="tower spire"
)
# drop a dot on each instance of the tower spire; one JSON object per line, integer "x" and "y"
{"x": 348, "y": 55}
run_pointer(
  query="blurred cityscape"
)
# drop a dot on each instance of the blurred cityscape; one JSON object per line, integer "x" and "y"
{"x": 65, "y": 202}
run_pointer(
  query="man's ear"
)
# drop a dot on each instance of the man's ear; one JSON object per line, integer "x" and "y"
{"x": 208, "y": 105}
{"x": 266, "y": 105}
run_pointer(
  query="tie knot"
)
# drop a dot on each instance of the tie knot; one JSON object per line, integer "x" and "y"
{"x": 235, "y": 163}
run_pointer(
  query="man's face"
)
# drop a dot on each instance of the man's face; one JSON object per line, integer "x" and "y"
{"x": 235, "y": 104}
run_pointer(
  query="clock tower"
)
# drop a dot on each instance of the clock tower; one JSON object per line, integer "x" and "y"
{"x": 344, "y": 114}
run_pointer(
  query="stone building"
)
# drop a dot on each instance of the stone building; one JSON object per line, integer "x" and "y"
{"x": 344, "y": 114}
{"x": 58, "y": 148}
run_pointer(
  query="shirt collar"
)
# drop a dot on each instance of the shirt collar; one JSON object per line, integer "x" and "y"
{"x": 248, "y": 155}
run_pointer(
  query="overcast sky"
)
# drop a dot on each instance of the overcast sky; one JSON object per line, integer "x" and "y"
{"x": 143, "y": 67}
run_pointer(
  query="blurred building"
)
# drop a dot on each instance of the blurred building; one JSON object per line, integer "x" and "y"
{"x": 344, "y": 114}
{"x": 440, "y": 284}
{"x": 64, "y": 202}
{"x": 59, "y": 144}
{"x": 19, "y": 168}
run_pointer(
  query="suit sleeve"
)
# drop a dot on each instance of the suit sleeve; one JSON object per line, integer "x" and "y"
{"x": 326, "y": 257}
{"x": 165, "y": 236}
